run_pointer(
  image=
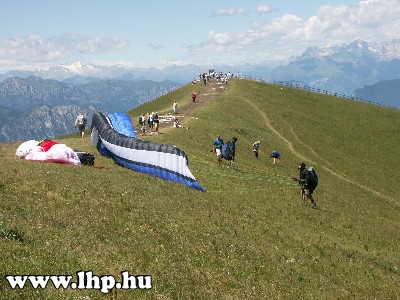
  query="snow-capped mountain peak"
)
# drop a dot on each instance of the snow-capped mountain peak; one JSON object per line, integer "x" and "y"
{"x": 384, "y": 51}
{"x": 78, "y": 68}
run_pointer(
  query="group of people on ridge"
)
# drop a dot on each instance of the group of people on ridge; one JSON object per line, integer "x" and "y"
{"x": 307, "y": 179}
{"x": 151, "y": 120}
{"x": 275, "y": 154}
{"x": 228, "y": 152}
{"x": 219, "y": 143}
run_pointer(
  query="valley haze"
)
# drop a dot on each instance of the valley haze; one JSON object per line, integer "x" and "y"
{"x": 42, "y": 104}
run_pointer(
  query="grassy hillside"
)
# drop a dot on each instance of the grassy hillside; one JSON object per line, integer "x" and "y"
{"x": 248, "y": 237}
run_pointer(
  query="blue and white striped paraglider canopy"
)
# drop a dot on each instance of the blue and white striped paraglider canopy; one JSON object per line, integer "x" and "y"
{"x": 160, "y": 160}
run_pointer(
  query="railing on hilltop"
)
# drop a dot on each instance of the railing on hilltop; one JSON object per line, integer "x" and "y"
{"x": 321, "y": 91}
{"x": 287, "y": 84}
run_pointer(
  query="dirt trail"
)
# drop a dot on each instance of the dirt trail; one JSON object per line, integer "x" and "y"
{"x": 205, "y": 94}
{"x": 213, "y": 89}
{"x": 305, "y": 146}
{"x": 303, "y": 158}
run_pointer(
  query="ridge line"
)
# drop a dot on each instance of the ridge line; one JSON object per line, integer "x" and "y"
{"x": 299, "y": 155}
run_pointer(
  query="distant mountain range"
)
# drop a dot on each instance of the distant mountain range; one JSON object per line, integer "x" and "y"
{"x": 79, "y": 73}
{"x": 34, "y": 104}
{"x": 340, "y": 69}
{"x": 36, "y": 108}
{"x": 343, "y": 69}
{"x": 383, "y": 92}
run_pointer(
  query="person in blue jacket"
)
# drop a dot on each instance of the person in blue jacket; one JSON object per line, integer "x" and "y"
{"x": 217, "y": 147}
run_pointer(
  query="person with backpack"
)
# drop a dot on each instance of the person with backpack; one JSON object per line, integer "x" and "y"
{"x": 308, "y": 181}
{"x": 217, "y": 147}
{"x": 80, "y": 122}
{"x": 276, "y": 156}
{"x": 256, "y": 145}
{"x": 232, "y": 148}
{"x": 229, "y": 150}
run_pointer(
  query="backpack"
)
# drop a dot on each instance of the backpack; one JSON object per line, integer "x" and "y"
{"x": 86, "y": 159}
{"x": 275, "y": 154}
{"x": 226, "y": 151}
{"x": 313, "y": 178}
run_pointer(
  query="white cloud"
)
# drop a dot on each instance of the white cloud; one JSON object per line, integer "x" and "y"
{"x": 221, "y": 38}
{"x": 265, "y": 9}
{"x": 279, "y": 38}
{"x": 230, "y": 12}
{"x": 288, "y": 35}
{"x": 35, "y": 49}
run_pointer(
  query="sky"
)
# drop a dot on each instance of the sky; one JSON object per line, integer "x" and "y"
{"x": 38, "y": 34}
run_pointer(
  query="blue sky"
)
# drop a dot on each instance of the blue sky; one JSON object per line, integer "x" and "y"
{"x": 38, "y": 34}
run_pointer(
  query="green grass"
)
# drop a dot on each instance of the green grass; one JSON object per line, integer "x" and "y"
{"x": 248, "y": 237}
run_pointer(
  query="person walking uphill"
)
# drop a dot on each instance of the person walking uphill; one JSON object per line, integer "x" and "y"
{"x": 308, "y": 184}
{"x": 229, "y": 151}
{"x": 80, "y": 122}
{"x": 256, "y": 146}
{"x": 194, "y": 96}
{"x": 232, "y": 149}
{"x": 217, "y": 147}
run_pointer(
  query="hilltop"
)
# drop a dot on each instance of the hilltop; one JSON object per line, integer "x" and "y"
{"x": 248, "y": 236}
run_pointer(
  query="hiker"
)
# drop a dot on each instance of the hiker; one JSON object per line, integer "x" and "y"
{"x": 177, "y": 124}
{"x": 276, "y": 156}
{"x": 175, "y": 107}
{"x": 232, "y": 148}
{"x": 156, "y": 122}
{"x": 150, "y": 121}
{"x": 256, "y": 145}
{"x": 229, "y": 150}
{"x": 307, "y": 184}
{"x": 217, "y": 147}
{"x": 194, "y": 96}
{"x": 80, "y": 122}
{"x": 142, "y": 122}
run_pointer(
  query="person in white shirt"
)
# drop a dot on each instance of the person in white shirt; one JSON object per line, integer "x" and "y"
{"x": 80, "y": 123}
{"x": 175, "y": 107}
